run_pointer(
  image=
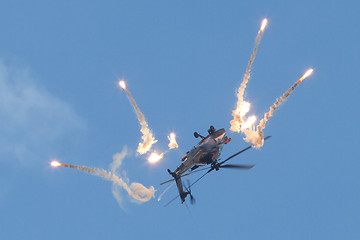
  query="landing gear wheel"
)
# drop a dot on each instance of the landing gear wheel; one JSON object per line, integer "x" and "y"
{"x": 211, "y": 130}
{"x": 196, "y": 135}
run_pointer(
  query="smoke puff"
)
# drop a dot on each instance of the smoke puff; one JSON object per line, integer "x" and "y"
{"x": 142, "y": 193}
{"x": 136, "y": 190}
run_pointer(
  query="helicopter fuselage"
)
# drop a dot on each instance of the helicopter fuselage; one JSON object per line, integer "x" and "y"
{"x": 207, "y": 151}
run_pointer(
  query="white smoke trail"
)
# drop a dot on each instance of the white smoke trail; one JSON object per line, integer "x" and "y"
{"x": 162, "y": 194}
{"x": 237, "y": 116}
{"x": 256, "y": 136}
{"x": 135, "y": 190}
{"x": 147, "y": 137}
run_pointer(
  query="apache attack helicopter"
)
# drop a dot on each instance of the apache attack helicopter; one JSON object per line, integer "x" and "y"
{"x": 206, "y": 152}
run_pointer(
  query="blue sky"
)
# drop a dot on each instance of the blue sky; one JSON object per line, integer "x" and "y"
{"x": 183, "y": 62}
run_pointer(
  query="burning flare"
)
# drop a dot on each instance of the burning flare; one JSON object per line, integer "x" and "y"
{"x": 172, "y": 140}
{"x": 147, "y": 137}
{"x": 307, "y": 74}
{"x": 237, "y": 118}
{"x": 154, "y": 157}
{"x": 55, "y": 164}
{"x": 122, "y": 84}
{"x": 249, "y": 122}
{"x": 245, "y": 108}
{"x": 263, "y": 24}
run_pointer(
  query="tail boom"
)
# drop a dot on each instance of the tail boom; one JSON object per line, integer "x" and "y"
{"x": 179, "y": 185}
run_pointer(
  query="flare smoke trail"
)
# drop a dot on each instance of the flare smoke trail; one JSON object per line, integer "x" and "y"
{"x": 237, "y": 121}
{"x": 147, "y": 137}
{"x": 162, "y": 194}
{"x": 257, "y": 136}
{"x": 135, "y": 190}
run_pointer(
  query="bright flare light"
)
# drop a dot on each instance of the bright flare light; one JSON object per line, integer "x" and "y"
{"x": 154, "y": 157}
{"x": 263, "y": 25}
{"x": 249, "y": 122}
{"x": 307, "y": 74}
{"x": 55, "y": 164}
{"x": 245, "y": 108}
{"x": 122, "y": 84}
{"x": 172, "y": 139}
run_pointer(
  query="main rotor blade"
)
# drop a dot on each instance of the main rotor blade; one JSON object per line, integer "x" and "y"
{"x": 171, "y": 180}
{"x": 188, "y": 185}
{"x": 171, "y": 201}
{"x": 201, "y": 177}
{"x": 163, "y": 183}
{"x": 245, "y": 149}
{"x": 199, "y": 170}
{"x": 187, "y": 174}
{"x": 237, "y": 166}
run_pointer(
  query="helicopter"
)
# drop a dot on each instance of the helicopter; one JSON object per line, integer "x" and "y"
{"x": 206, "y": 152}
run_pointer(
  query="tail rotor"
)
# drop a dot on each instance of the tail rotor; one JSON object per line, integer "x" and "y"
{"x": 188, "y": 191}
